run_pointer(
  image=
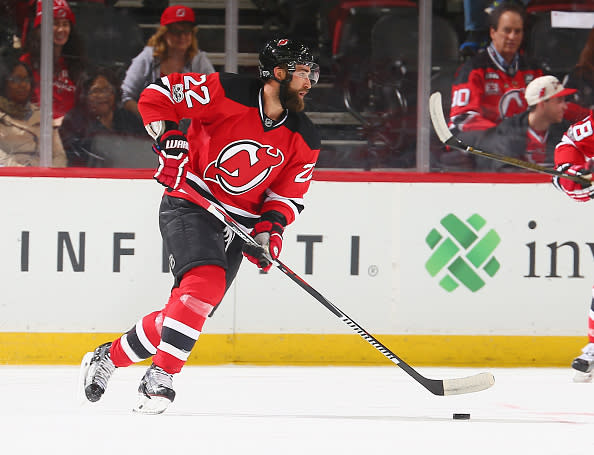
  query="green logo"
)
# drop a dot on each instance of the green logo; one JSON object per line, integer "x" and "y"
{"x": 461, "y": 255}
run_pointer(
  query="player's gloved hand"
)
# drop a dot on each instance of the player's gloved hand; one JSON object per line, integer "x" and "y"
{"x": 172, "y": 150}
{"x": 578, "y": 191}
{"x": 269, "y": 236}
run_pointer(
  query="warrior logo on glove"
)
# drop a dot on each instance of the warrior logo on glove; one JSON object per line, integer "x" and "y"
{"x": 172, "y": 150}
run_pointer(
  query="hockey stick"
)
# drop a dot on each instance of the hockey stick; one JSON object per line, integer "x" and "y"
{"x": 446, "y": 136}
{"x": 456, "y": 386}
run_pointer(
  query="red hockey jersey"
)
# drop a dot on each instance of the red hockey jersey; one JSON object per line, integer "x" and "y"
{"x": 577, "y": 145}
{"x": 484, "y": 93}
{"x": 574, "y": 155}
{"x": 239, "y": 156}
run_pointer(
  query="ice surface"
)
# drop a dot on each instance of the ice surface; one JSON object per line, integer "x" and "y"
{"x": 298, "y": 410}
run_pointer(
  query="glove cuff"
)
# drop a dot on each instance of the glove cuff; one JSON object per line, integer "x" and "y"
{"x": 275, "y": 218}
{"x": 169, "y": 133}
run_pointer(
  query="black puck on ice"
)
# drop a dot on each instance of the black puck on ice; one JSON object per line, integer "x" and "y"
{"x": 461, "y": 416}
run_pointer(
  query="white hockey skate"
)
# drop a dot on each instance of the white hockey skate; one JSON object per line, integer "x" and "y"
{"x": 584, "y": 364}
{"x": 95, "y": 370}
{"x": 155, "y": 392}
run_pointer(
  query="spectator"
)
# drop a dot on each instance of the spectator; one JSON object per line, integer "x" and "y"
{"x": 582, "y": 79}
{"x": 69, "y": 59}
{"x": 476, "y": 24}
{"x": 172, "y": 49}
{"x": 20, "y": 120}
{"x": 528, "y": 136}
{"x": 97, "y": 111}
{"x": 489, "y": 87}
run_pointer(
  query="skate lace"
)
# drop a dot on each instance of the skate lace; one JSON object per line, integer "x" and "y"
{"x": 588, "y": 351}
{"x": 157, "y": 378}
{"x": 104, "y": 368}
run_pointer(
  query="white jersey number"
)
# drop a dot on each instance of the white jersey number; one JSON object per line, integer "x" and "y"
{"x": 582, "y": 131}
{"x": 190, "y": 94}
{"x": 306, "y": 175}
{"x": 461, "y": 97}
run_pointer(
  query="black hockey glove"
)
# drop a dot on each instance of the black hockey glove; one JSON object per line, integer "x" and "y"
{"x": 172, "y": 150}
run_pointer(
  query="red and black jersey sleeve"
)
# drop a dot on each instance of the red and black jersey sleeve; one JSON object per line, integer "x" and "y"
{"x": 577, "y": 145}
{"x": 178, "y": 96}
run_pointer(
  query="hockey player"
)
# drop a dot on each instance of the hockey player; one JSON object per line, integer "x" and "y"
{"x": 249, "y": 148}
{"x": 575, "y": 155}
{"x": 490, "y": 86}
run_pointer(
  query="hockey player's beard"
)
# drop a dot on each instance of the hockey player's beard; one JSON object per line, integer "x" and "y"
{"x": 294, "y": 103}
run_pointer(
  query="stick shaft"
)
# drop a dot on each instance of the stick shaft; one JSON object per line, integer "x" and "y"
{"x": 445, "y": 135}
{"x": 434, "y": 386}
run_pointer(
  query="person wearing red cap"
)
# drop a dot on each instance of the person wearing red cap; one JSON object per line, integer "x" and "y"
{"x": 69, "y": 57}
{"x": 172, "y": 49}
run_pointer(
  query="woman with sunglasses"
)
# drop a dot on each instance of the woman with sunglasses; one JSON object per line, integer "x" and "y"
{"x": 20, "y": 119}
{"x": 172, "y": 49}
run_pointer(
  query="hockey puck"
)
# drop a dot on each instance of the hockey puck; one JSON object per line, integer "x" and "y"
{"x": 461, "y": 416}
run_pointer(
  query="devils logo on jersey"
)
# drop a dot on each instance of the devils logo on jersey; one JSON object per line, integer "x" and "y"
{"x": 243, "y": 165}
{"x": 511, "y": 103}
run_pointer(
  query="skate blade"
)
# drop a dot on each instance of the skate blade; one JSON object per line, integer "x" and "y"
{"x": 81, "y": 397}
{"x": 151, "y": 405}
{"x": 582, "y": 377}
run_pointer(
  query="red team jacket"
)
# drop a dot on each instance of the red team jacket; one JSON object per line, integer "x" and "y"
{"x": 237, "y": 155}
{"x": 483, "y": 93}
{"x": 577, "y": 144}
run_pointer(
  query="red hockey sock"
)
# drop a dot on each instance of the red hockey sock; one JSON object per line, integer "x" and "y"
{"x": 190, "y": 304}
{"x": 139, "y": 343}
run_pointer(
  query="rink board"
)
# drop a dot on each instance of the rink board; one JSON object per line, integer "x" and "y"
{"x": 443, "y": 273}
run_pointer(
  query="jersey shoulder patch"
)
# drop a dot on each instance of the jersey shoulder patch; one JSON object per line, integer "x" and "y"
{"x": 241, "y": 89}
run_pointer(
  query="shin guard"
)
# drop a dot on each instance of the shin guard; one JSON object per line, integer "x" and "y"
{"x": 200, "y": 290}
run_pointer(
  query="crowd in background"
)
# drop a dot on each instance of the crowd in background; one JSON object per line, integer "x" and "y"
{"x": 94, "y": 95}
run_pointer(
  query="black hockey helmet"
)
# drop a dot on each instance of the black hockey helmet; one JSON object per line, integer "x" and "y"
{"x": 287, "y": 52}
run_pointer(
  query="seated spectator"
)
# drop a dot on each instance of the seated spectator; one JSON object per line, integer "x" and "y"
{"x": 20, "y": 120}
{"x": 475, "y": 24}
{"x": 529, "y": 136}
{"x": 172, "y": 49}
{"x": 69, "y": 59}
{"x": 489, "y": 86}
{"x": 582, "y": 79}
{"x": 97, "y": 112}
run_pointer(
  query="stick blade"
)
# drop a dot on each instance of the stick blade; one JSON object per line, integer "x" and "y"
{"x": 437, "y": 118}
{"x": 475, "y": 383}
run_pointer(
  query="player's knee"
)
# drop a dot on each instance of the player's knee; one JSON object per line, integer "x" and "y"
{"x": 205, "y": 283}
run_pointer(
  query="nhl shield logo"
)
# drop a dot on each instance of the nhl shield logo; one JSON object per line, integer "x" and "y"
{"x": 177, "y": 92}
